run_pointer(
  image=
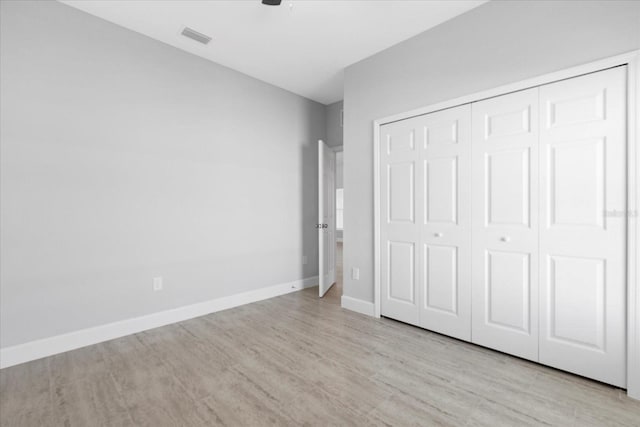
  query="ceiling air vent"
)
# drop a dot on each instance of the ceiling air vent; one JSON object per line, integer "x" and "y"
{"x": 194, "y": 35}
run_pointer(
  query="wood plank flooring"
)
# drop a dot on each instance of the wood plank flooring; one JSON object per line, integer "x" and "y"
{"x": 298, "y": 360}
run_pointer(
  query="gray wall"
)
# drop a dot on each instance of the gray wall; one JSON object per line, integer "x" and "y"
{"x": 497, "y": 43}
{"x": 333, "y": 124}
{"x": 124, "y": 159}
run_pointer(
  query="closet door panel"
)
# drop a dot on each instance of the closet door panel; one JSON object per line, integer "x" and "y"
{"x": 507, "y": 187}
{"x": 400, "y": 192}
{"x": 505, "y": 223}
{"x": 445, "y": 282}
{"x": 441, "y": 190}
{"x": 582, "y": 239}
{"x": 401, "y": 275}
{"x": 401, "y": 212}
{"x": 441, "y": 279}
{"x": 508, "y": 287}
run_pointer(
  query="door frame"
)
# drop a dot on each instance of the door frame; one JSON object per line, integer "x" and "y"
{"x": 632, "y": 61}
{"x": 338, "y": 149}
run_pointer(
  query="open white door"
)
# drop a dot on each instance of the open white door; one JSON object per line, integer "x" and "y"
{"x": 326, "y": 218}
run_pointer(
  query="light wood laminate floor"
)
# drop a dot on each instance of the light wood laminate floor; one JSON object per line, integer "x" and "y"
{"x": 298, "y": 360}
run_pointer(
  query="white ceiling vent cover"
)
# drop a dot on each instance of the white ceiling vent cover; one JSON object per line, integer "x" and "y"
{"x": 194, "y": 35}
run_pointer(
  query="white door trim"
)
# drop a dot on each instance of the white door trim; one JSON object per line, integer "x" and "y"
{"x": 632, "y": 60}
{"x": 633, "y": 228}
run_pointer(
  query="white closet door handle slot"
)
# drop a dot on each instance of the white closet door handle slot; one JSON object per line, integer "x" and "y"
{"x": 438, "y": 234}
{"x": 505, "y": 239}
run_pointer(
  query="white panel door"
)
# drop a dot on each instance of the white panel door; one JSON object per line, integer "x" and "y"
{"x": 326, "y": 218}
{"x": 445, "y": 253}
{"x": 582, "y": 240}
{"x": 401, "y": 208}
{"x": 505, "y": 223}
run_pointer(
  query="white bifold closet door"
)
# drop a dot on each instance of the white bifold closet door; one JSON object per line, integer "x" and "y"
{"x": 505, "y": 223}
{"x": 445, "y": 280}
{"x": 582, "y": 239}
{"x": 400, "y": 203}
{"x": 426, "y": 221}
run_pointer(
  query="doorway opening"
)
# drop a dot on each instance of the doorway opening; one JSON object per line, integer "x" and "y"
{"x": 336, "y": 292}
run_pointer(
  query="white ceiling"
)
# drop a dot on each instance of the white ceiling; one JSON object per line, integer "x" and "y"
{"x": 303, "y": 48}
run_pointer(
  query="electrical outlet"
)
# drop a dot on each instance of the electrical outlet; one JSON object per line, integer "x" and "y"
{"x": 304, "y": 259}
{"x": 157, "y": 284}
{"x": 355, "y": 273}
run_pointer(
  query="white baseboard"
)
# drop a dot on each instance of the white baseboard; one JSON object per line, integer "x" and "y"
{"x": 38, "y": 349}
{"x": 358, "y": 305}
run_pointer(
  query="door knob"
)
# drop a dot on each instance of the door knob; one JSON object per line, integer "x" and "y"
{"x": 505, "y": 239}
{"x": 438, "y": 234}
